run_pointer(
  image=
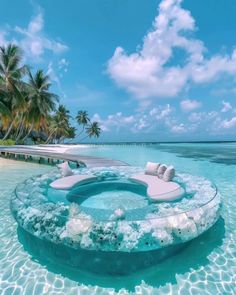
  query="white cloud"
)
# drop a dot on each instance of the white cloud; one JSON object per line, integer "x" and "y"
{"x": 3, "y": 40}
{"x": 34, "y": 41}
{"x": 188, "y": 105}
{"x": 226, "y": 106}
{"x": 229, "y": 123}
{"x": 63, "y": 65}
{"x": 213, "y": 122}
{"x": 161, "y": 112}
{"x": 144, "y": 122}
{"x": 151, "y": 122}
{"x": 116, "y": 121}
{"x": 195, "y": 117}
{"x": 55, "y": 78}
{"x": 51, "y": 72}
{"x": 203, "y": 117}
{"x": 146, "y": 74}
{"x": 141, "y": 124}
{"x": 181, "y": 128}
{"x": 103, "y": 126}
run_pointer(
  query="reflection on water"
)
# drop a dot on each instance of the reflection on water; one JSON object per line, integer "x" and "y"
{"x": 156, "y": 268}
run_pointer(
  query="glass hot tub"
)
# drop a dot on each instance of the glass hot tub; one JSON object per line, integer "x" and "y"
{"x": 113, "y": 219}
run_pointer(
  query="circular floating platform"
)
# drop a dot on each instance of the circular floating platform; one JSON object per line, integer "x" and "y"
{"x": 113, "y": 216}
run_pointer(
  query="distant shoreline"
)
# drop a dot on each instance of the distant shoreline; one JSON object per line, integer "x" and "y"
{"x": 74, "y": 145}
{"x": 149, "y": 142}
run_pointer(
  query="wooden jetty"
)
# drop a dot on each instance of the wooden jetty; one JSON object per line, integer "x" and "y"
{"x": 28, "y": 153}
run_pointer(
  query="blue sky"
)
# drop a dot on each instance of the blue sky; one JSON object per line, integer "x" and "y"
{"x": 146, "y": 70}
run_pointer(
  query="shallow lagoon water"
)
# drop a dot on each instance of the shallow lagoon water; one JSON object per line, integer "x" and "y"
{"x": 204, "y": 266}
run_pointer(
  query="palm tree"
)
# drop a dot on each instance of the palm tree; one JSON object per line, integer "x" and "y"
{"x": 10, "y": 67}
{"x": 63, "y": 113}
{"x": 11, "y": 72}
{"x": 71, "y": 132}
{"x": 82, "y": 119}
{"x": 59, "y": 127}
{"x": 21, "y": 113}
{"x": 93, "y": 130}
{"x": 41, "y": 101}
{"x": 30, "y": 107}
{"x": 4, "y": 110}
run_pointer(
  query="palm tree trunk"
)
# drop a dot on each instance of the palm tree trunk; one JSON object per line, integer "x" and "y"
{"x": 20, "y": 129}
{"x": 50, "y": 136}
{"x": 28, "y": 133}
{"x": 82, "y": 131}
{"x": 9, "y": 130}
{"x": 20, "y": 133}
{"x": 84, "y": 138}
{"x": 19, "y": 125}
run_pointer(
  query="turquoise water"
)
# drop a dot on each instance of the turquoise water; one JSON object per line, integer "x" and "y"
{"x": 115, "y": 199}
{"x": 205, "y": 266}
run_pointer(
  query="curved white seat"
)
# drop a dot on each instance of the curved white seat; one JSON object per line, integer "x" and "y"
{"x": 70, "y": 181}
{"x": 158, "y": 189}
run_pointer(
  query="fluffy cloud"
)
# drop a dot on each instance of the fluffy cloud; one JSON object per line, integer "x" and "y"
{"x": 150, "y": 120}
{"x": 181, "y": 128}
{"x": 146, "y": 72}
{"x": 226, "y": 106}
{"x": 229, "y": 123}
{"x": 138, "y": 122}
{"x": 116, "y": 121}
{"x": 165, "y": 120}
{"x": 34, "y": 41}
{"x": 188, "y": 105}
{"x": 161, "y": 112}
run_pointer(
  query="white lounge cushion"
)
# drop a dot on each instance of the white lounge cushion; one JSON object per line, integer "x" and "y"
{"x": 158, "y": 189}
{"x": 65, "y": 169}
{"x": 151, "y": 168}
{"x": 70, "y": 181}
{"x": 63, "y": 165}
{"x": 169, "y": 174}
{"x": 161, "y": 170}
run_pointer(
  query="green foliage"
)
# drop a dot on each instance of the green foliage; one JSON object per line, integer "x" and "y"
{"x": 7, "y": 142}
{"x": 29, "y": 111}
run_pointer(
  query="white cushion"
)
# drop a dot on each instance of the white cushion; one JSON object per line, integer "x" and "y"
{"x": 161, "y": 170}
{"x": 169, "y": 174}
{"x": 151, "y": 168}
{"x": 65, "y": 169}
{"x": 69, "y": 182}
{"x": 63, "y": 165}
{"x": 159, "y": 190}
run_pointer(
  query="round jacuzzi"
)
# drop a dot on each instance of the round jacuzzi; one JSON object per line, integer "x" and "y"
{"x": 110, "y": 195}
{"x": 107, "y": 200}
{"x": 112, "y": 218}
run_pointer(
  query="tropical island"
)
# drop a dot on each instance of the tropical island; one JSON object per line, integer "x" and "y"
{"x": 29, "y": 111}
